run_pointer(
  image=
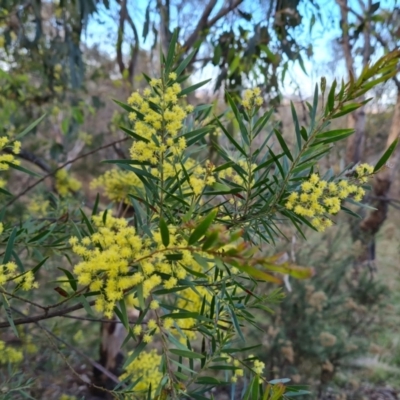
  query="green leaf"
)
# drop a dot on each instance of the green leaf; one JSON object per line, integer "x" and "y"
{"x": 6, "y": 192}
{"x": 122, "y": 313}
{"x": 283, "y": 144}
{"x": 9, "y": 314}
{"x": 131, "y": 133}
{"x": 71, "y": 279}
{"x": 186, "y": 353}
{"x": 386, "y": 155}
{"x": 192, "y": 88}
{"x": 208, "y": 380}
{"x": 171, "y": 50}
{"x": 10, "y": 245}
{"x": 126, "y": 107}
{"x": 96, "y": 205}
{"x": 334, "y": 133}
{"x": 347, "y": 109}
{"x": 296, "y": 125}
{"x": 22, "y": 169}
{"x": 87, "y": 222}
{"x": 185, "y": 62}
{"x": 231, "y": 139}
{"x": 39, "y": 265}
{"x": 201, "y": 229}
{"x": 134, "y": 355}
{"x": 164, "y": 232}
{"x": 239, "y": 119}
{"x": 86, "y": 305}
{"x": 336, "y": 138}
{"x": 331, "y": 98}
{"x": 235, "y": 322}
{"x": 30, "y": 127}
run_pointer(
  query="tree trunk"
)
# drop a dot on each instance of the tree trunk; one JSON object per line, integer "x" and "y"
{"x": 379, "y": 198}
{"x": 112, "y": 335}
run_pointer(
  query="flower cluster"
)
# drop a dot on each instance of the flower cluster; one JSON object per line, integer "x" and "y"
{"x": 319, "y": 198}
{"x": 38, "y": 206}
{"x": 8, "y": 272}
{"x": 238, "y": 372}
{"x": 258, "y": 366}
{"x": 363, "y": 171}
{"x": 7, "y": 159}
{"x": 65, "y": 183}
{"x": 158, "y": 120}
{"x": 117, "y": 184}
{"x": 191, "y": 301}
{"x": 232, "y": 175}
{"x": 146, "y": 366}
{"x": 116, "y": 259}
{"x": 9, "y": 354}
{"x": 252, "y": 98}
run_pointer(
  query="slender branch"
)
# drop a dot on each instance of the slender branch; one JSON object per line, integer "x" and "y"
{"x": 28, "y": 156}
{"x": 205, "y": 23}
{"x": 46, "y": 315}
{"x": 28, "y": 188}
{"x": 224, "y": 11}
{"x": 89, "y": 359}
{"x": 122, "y": 16}
{"x": 14, "y": 296}
{"x": 201, "y": 24}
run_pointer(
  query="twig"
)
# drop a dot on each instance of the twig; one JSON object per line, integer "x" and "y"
{"x": 28, "y": 156}
{"x": 27, "y": 189}
{"x": 48, "y": 315}
{"x": 89, "y": 359}
{"x": 22, "y": 299}
{"x": 204, "y": 23}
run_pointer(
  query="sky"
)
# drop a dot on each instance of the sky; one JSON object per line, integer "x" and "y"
{"x": 322, "y": 63}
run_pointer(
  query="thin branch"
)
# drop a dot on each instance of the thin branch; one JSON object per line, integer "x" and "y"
{"x": 201, "y": 24}
{"x": 89, "y": 359}
{"x": 122, "y": 16}
{"x": 46, "y": 315}
{"x": 28, "y": 188}
{"x": 28, "y": 156}
{"x": 14, "y": 296}
{"x": 224, "y": 11}
{"x": 205, "y": 23}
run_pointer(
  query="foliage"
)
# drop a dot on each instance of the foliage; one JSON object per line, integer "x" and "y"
{"x": 327, "y": 322}
{"x": 187, "y": 248}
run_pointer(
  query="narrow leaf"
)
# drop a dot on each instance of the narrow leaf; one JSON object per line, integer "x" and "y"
{"x": 386, "y": 155}
{"x": 201, "y": 229}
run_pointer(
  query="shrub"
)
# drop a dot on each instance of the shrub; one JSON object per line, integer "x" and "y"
{"x": 187, "y": 248}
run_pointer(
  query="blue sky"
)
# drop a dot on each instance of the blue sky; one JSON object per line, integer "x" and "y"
{"x": 323, "y": 62}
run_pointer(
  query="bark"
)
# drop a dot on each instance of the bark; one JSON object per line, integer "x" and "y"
{"x": 365, "y": 231}
{"x": 383, "y": 180}
{"x": 356, "y": 120}
{"x": 124, "y": 16}
{"x": 112, "y": 336}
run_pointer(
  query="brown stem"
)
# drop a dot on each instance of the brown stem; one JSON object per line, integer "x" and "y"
{"x": 28, "y": 188}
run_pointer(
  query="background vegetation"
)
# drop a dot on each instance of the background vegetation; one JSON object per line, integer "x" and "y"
{"x": 61, "y": 65}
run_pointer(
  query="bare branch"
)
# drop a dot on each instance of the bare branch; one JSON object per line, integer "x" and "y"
{"x": 46, "y": 315}
{"x": 205, "y": 23}
{"x": 28, "y": 156}
{"x": 122, "y": 16}
{"x": 30, "y": 187}
{"x": 89, "y": 359}
{"x": 201, "y": 24}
